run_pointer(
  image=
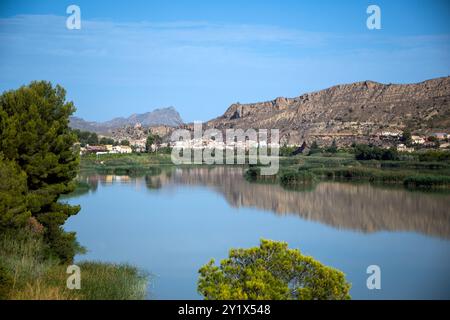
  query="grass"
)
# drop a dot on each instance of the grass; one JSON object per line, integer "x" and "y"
{"x": 134, "y": 163}
{"x": 295, "y": 178}
{"x": 26, "y": 272}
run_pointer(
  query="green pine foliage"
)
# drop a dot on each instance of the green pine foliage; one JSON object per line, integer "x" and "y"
{"x": 271, "y": 271}
{"x": 38, "y": 161}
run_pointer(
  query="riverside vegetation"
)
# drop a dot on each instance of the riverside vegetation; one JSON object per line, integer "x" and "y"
{"x": 428, "y": 170}
{"x": 37, "y": 165}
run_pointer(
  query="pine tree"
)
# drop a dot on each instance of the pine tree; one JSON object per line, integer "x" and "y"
{"x": 34, "y": 134}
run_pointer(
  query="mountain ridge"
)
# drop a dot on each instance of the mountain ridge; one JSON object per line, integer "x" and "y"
{"x": 346, "y": 112}
{"x": 168, "y": 116}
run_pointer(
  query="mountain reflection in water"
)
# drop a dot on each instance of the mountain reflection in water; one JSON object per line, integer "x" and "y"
{"x": 361, "y": 207}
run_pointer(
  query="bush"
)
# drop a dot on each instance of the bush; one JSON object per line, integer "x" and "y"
{"x": 366, "y": 152}
{"x": 252, "y": 173}
{"x": 293, "y": 178}
{"x": 271, "y": 272}
{"x": 286, "y": 151}
{"x": 314, "y": 148}
{"x": 427, "y": 181}
{"x": 435, "y": 155}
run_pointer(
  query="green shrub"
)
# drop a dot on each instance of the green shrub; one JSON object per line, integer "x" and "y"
{"x": 434, "y": 155}
{"x": 293, "y": 178}
{"x": 271, "y": 271}
{"x": 427, "y": 181}
{"x": 366, "y": 152}
{"x": 252, "y": 173}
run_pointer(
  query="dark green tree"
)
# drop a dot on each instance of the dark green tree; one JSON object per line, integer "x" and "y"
{"x": 124, "y": 143}
{"x": 271, "y": 272}
{"x": 92, "y": 139}
{"x": 406, "y": 137}
{"x": 333, "y": 147}
{"x": 14, "y": 212}
{"x": 314, "y": 148}
{"x": 35, "y": 134}
{"x": 158, "y": 141}
{"x": 86, "y": 137}
{"x": 106, "y": 140}
{"x": 152, "y": 139}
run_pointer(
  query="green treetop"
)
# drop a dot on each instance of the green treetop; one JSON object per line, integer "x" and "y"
{"x": 272, "y": 272}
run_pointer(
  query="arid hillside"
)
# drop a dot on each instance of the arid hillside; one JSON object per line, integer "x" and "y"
{"x": 348, "y": 112}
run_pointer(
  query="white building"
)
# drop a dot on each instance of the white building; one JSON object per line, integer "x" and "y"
{"x": 122, "y": 149}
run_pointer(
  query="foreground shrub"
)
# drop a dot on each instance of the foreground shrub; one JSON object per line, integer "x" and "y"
{"x": 272, "y": 272}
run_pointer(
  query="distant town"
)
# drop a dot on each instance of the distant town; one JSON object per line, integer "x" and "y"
{"x": 137, "y": 139}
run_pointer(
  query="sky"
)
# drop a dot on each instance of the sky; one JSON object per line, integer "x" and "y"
{"x": 201, "y": 56}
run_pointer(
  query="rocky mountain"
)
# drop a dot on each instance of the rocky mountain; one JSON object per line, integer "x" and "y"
{"x": 164, "y": 116}
{"x": 348, "y": 112}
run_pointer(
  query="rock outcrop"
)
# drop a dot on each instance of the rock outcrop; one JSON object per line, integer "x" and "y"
{"x": 348, "y": 113}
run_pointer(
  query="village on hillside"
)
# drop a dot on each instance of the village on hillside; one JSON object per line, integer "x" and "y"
{"x": 135, "y": 139}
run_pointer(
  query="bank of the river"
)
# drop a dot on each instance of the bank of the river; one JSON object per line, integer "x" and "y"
{"x": 297, "y": 170}
{"x": 134, "y": 163}
{"x": 301, "y": 171}
{"x": 27, "y": 272}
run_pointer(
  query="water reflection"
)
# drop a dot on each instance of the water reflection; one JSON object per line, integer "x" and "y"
{"x": 359, "y": 207}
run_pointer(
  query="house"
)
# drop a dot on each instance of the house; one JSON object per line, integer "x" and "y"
{"x": 402, "y": 148}
{"x": 109, "y": 147}
{"x": 95, "y": 149}
{"x": 391, "y": 133}
{"x": 440, "y": 135}
{"x": 121, "y": 149}
{"x": 418, "y": 139}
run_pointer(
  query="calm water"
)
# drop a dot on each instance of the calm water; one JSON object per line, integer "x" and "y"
{"x": 173, "y": 222}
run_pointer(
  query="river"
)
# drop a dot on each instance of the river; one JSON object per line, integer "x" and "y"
{"x": 174, "y": 221}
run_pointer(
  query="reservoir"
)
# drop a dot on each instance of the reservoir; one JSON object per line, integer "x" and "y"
{"x": 174, "y": 221}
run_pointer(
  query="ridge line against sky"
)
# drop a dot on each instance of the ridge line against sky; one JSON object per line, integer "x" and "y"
{"x": 200, "y": 65}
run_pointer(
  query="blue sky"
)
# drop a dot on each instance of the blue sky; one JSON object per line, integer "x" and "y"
{"x": 201, "y": 56}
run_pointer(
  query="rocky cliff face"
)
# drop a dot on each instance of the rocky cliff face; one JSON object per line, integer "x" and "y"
{"x": 347, "y": 113}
